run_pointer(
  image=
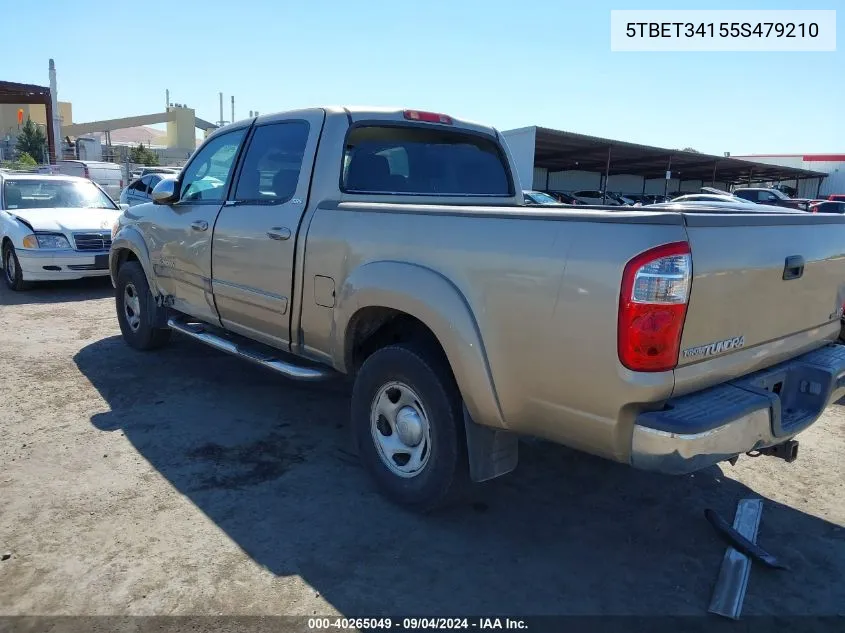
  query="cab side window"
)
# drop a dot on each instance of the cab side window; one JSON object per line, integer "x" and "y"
{"x": 206, "y": 176}
{"x": 272, "y": 163}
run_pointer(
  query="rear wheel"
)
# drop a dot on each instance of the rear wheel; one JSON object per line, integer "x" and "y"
{"x": 407, "y": 423}
{"x": 137, "y": 313}
{"x": 12, "y": 273}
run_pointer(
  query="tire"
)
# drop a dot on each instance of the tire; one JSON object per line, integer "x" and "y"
{"x": 137, "y": 312}
{"x": 423, "y": 422}
{"x": 12, "y": 274}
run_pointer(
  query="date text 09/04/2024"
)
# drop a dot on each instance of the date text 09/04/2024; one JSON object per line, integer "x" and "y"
{"x": 415, "y": 624}
{"x": 721, "y": 30}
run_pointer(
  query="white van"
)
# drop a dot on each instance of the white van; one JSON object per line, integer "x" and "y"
{"x": 108, "y": 175}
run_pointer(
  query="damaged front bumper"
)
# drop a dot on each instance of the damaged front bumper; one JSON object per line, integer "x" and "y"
{"x": 756, "y": 411}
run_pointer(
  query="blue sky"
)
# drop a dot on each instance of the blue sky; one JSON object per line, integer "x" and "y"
{"x": 505, "y": 63}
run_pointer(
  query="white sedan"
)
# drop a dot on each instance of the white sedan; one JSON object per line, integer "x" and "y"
{"x": 53, "y": 227}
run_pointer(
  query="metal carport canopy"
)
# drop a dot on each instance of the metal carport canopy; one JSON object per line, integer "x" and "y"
{"x": 556, "y": 150}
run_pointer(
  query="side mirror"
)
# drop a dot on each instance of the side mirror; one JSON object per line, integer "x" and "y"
{"x": 165, "y": 191}
{"x": 123, "y": 206}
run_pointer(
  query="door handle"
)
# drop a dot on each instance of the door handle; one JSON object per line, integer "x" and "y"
{"x": 280, "y": 233}
{"x": 199, "y": 225}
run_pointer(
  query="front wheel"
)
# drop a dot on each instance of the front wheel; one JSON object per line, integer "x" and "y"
{"x": 407, "y": 424}
{"x": 12, "y": 273}
{"x": 137, "y": 312}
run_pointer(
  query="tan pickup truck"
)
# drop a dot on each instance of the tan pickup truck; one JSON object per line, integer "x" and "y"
{"x": 394, "y": 247}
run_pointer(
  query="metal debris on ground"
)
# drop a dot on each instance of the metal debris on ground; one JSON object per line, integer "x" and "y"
{"x": 733, "y": 538}
{"x": 729, "y": 592}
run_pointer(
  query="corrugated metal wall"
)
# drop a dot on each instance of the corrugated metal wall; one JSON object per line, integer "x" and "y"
{"x": 574, "y": 180}
{"x": 658, "y": 185}
{"x": 834, "y": 183}
{"x": 625, "y": 183}
{"x": 521, "y": 144}
{"x": 619, "y": 183}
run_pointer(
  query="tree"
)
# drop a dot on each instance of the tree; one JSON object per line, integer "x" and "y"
{"x": 143, "y": 155}
{"x": 23, "y": 162}
{"x": 32, "y": 141}
{"x": 26, "y": 160}
{"x": 690, "y": 149}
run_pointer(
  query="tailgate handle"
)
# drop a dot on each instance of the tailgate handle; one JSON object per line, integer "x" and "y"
{"x": 793, "y": 268}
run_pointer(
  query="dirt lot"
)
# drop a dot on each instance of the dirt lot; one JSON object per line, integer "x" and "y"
{"x": 188, "y": 482}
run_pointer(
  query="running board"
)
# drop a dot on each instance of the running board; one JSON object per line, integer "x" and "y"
{"x": 198, "y": 332}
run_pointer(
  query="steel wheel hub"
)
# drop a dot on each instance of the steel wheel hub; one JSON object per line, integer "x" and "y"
{"x": 10, "y": 267}
{"x": 400, "y": 429}
{"x": 132, "y": 307}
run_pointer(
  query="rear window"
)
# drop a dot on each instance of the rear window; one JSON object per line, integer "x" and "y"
{"x": 423, "y": 161}
{"x": 830, "y": 207}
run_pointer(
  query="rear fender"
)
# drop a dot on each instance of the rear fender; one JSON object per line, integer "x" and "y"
{"x": 433, "y": 299}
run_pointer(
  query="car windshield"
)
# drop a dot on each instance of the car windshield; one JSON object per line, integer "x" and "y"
{"x": 32, "y": 193}
{"x": 542, "y": 198}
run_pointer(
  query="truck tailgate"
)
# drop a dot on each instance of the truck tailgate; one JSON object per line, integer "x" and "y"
{"x": 759, "y": 278}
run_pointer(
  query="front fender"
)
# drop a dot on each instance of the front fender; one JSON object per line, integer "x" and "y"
{"x": 13, "y": 228}
{"x": 130, "y": 238}
{"x": 433, "y": 299}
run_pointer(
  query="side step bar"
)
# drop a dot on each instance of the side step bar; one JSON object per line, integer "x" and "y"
{"x": 306, "y": 373}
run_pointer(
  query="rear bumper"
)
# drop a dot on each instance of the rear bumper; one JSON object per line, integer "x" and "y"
{"x": 758, "y": 410}
{"x": 51, "y": 265}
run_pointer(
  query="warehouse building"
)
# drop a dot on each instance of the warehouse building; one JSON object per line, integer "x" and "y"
{"x": 554, "y": 160}
{"x": 831, "y": 164}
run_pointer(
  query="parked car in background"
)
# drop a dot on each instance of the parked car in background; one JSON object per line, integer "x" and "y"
{"x": 109, "y": 176}
{"x": 635, "y": 198}
{"x": 391, "y": 246}
{"x": 838, "y": 197}
{"x": 620, "y": 199}
{"x": 590, "y": 196}
{"x": 775, "y": 197}
{"x": 786, "y": 189}
{"x": 564, "y": 198}
{"x": 827, "y": 206}
{"x": 711, "y": 197}
{"x": 53, "y": 227}
{"x": 141, "y": 190}
{"x": 727, "y": 205}
{"x": 173, "y": 171}
{"x": 538, "y": 197}
{"x": 651, "y": 198}
{"x": 138, "y": 172}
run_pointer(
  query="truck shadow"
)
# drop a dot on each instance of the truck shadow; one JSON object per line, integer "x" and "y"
{"x": 269, "y": 462}
{"x": 58, "y": 291}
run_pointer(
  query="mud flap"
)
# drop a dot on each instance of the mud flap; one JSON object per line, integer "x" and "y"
{"x": 492, "y": 452}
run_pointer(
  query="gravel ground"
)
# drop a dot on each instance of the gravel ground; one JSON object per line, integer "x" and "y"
{"x": 185, "y": 481}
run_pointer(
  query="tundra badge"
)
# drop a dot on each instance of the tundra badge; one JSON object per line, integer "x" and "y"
{"x": 716, "y": 347}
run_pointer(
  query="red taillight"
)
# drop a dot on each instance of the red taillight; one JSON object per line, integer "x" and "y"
{"x": 653, "y": 306}
{"x": 427, "y": 117}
